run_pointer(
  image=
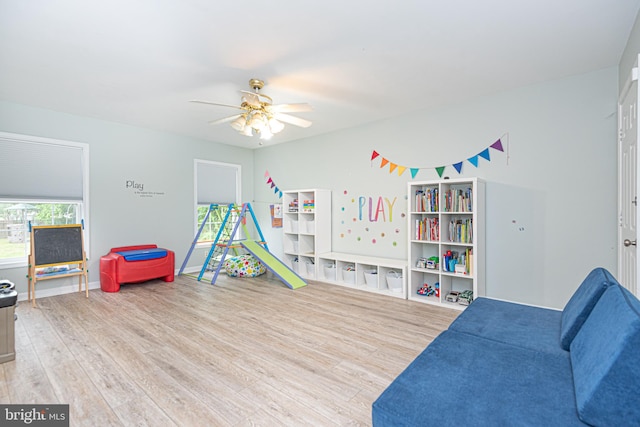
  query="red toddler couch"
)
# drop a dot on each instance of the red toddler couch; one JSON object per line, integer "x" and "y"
{"x": 135, "y": 264}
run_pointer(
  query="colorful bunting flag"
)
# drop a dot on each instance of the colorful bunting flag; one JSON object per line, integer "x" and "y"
{"x": 497, "y": 145}
{"x": 272, "y": 184}
{"x": 485, "y": 154}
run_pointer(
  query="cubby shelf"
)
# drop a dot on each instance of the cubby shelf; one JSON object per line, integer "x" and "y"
{"x": 306, "y": 223}
{"x": 446, "y": 217}
{"x": 380, "y": 275}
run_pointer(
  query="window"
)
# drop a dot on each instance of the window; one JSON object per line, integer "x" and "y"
{"x": 43, "y": 182}
{"x": 217, "y": 185}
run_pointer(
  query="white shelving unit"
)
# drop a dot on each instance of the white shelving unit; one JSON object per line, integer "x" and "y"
{"x": 381, "y": 275}
{"x": 446, "y": 217}
{"x": 306, "y": 223}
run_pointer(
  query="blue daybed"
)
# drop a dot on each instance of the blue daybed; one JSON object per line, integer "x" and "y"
{"x": 508, "y": 364}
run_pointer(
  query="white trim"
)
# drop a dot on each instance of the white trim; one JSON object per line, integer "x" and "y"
{"x": 84, "y": 147}
{"x": 195, "y": 185}
{"x": 61, "y": 290}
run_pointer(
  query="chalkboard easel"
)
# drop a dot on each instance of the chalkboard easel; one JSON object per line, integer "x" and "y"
{"x": 56, "y": 251}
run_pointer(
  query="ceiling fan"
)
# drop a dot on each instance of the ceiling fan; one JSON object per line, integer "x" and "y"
{"x": 258, "y": 114}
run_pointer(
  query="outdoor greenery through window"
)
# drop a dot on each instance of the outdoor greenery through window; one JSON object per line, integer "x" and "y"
{"x": 15, "y": 217}
{"x": 214, "y": 222}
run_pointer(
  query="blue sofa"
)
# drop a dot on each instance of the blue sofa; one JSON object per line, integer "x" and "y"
{"x": 508, "y": 364}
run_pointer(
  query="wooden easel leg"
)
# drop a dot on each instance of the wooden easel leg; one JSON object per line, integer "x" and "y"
{"x": 33, "y": 294}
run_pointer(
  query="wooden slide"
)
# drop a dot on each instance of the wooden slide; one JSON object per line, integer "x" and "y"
{"x": 273, "y": 264}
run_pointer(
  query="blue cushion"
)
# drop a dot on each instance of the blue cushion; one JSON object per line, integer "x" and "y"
{"x": 605, "y": 356}
{"x": 143, "y": 254}
{"x": 463, "y": 380}
{"x": 582, "y": 302}
{"x": 517, "y": 324}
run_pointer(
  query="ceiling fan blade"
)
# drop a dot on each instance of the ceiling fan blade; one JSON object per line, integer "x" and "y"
{"x": 250, "y": 98}
{"x": 291, "y": 108}
{"x": 224, "y": 120}
{"x": 256, "y": 99}
{"x": 296, "y": 121}
{"x": 216, "y": 103}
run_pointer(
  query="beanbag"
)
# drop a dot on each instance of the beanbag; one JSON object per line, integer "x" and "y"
{"x": 244, "y": 266}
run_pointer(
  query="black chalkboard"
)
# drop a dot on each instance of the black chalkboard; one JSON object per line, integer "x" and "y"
{"x": 57, "y": 244}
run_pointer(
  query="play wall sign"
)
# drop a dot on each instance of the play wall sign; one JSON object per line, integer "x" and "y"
{"x": 34, "y": 415}
{"x": 138, "y": 188}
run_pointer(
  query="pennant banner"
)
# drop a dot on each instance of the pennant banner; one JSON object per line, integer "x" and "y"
{"x": 273, "y": 185}
{"x": 474, "y": 160}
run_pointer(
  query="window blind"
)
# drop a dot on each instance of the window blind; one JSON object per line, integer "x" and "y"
{"x": 217, "y": 182}
{"x": 32, "y": 169}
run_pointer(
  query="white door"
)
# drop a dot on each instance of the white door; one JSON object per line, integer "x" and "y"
{"x": 628, "y": 183}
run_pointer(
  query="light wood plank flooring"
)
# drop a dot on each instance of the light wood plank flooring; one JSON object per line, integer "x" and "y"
{"x": 243, "y": 352}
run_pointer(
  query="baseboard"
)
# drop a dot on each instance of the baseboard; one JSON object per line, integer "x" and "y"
{"x": 43, "y": 293}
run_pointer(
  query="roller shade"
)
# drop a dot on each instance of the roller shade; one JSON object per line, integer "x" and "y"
{"x": 40, "y": 170}
{"x": 217, "y": 182}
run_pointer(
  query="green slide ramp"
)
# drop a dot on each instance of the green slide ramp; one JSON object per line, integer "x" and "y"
{"x": 277, "y": 267}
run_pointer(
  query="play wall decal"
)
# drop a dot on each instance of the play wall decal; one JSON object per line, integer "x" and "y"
{"x": 138, "y": 189}
{"x": 371, "y": 219}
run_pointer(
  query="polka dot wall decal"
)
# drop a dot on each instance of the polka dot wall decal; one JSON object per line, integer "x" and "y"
{"x": 355, "y": 219}
{"x": 381, "y": 234}
{"x": 342, "y": 209}
{"x": 358, "y": 239}
{"x": 402, "y": 214}
{"x": 397, "y": 231}
{"x": 395, "y": 243}
{"x": 345, "y": 192}
{"x": 373, "y": 241}
{"x": 366, "y": 229}
{"x": 349, "y": 231}
{"x": 342, "y": 235}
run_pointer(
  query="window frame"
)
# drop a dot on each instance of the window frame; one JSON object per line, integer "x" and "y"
{"x": 198, "y": 204}
{"x": 84, "y": 202}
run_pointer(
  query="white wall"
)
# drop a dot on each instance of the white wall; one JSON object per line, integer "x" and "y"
{"x": 551, "y": 211}
{"x": 162, "y": 163}
{"x": 630, "y": 54}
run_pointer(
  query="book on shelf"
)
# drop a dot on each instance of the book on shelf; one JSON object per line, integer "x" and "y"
{"x": 458, "y": 200}
{"x": 461, "y": 230}
{"x": 428, "y": 229}
{"x": 427, "y": 200}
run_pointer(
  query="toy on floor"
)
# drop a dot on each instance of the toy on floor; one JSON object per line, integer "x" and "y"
{"x": 244, "y": 266}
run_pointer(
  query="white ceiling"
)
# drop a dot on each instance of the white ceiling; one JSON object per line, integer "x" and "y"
{"x": 139, "y": 62}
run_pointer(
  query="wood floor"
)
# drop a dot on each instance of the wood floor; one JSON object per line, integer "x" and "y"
{"x": 243, "y": 352}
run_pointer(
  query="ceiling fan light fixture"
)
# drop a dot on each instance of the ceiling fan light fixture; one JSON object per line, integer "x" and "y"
{"x": 275, "y": 125}
{"x": 257, "y": 121}
{"x": 266, "y": 134}
{"x": 239, "y": 124}
{"x": 247, "y": 131}
{"x": 258, "y": 115}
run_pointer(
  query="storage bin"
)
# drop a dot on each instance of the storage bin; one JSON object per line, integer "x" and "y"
{"x": 311, "y": 268}
{"x": 371, "y": 278}
{"x": 349, "y": 274}
{"x": 394, "y": 281}
{"x": 330, "y": 272}
{"x": 311, "y": 227}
